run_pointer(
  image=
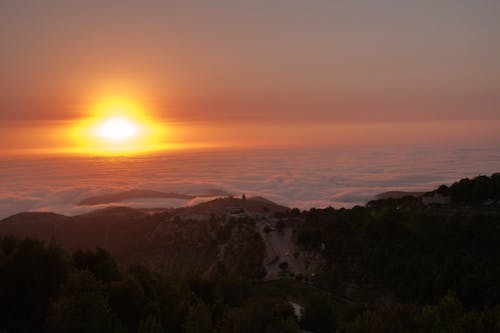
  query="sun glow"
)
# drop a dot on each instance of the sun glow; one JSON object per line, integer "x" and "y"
{"x": 118, "y": 126}
{"x": 118, "y": 129}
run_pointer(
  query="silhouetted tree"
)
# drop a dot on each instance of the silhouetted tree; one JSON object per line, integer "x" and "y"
{"x": 100, "y": 263}
{"x": 150, "y": 325}
{"x": 31, "y": 276}
{"x": 84, "y": 307}
{"x": 199, "y": 319}
{"x": 126, "y": 299}
{"x": 318, "y": 315}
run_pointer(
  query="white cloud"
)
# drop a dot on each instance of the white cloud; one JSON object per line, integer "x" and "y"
{"x": 296, "y": 178}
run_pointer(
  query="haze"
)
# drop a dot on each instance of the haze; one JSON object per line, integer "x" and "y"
{"x": 259, "y": 73}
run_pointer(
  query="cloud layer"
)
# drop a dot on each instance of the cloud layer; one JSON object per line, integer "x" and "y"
{"x": 341, "y": 177}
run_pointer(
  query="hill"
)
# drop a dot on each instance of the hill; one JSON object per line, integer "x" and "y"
{"x": 397, "y": 195}
{"x": 395, "y": 265}
{"x": 198, "y": 239}
{"x": 481, "y": 191}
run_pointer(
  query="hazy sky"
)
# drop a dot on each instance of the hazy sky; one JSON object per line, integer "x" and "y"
{"x": 284, "y": 67}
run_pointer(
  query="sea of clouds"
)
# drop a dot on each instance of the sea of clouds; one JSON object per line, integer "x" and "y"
{"x": 304, "y": 178}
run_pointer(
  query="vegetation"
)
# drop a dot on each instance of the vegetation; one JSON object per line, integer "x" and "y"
{"x": 473, "y": 191}
{"x": 396, "y": 265}
{"x": 407, "y": 267}
{"x": 46, "y": 290}
{"x": 418, "y": 257}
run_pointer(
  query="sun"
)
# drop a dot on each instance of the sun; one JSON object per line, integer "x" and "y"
{"x": 118, "y": 129}
{"x": 118, "y": 126}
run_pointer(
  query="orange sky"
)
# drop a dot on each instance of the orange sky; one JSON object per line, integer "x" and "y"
{"x": 257, "y": 73}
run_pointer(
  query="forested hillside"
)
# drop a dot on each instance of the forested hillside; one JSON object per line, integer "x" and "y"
{"x": 396, "y": 265}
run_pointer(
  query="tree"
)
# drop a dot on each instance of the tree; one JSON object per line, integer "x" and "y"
{"x": 84, "y": 307}
{"x": 100, "y": 263}
{"x": 199, "y": 319}
{"x": 126, "y": 299}
{"x": 150, "y": 325}
{"x": 280, "y": 225}
{"x": 295, "y": 212}
{"x": 260, "y": 315}
{"x": 31, "y": 276}
{"x": 318, "y": 315}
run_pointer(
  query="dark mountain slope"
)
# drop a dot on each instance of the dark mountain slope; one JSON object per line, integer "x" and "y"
{"x": 169, "y": 240}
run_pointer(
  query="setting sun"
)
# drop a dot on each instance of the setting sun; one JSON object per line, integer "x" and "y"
{"x": 249, "y": 166}
{"x": 118, "y": 129}
{"x": 118, "y": 126}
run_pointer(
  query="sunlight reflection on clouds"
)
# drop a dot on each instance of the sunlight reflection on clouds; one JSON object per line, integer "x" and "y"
{"x": 339, "y": 177}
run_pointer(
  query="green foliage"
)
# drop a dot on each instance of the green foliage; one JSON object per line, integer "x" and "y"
{"x": 126, "y": 299}
{"x": 199, "y": 319}
{"x": 232, "y": 291}
{"x": 260, "y": 315}
{"x": 384, "y": 319}
{"x": 407, "y": 202}
{"x": 416, "y": 255}
{"x": 172, "y": 304}
{"x": 8, "y": 244}
{"x": 280, "y": 215}
{"x": 84, "y": 307}
{"x": 100, "y": 263}
{"x": 31, "y": 276}
{"x": 37, "y": 294}
{"x": 283, "y": 265}
{"x": 245, "y": 252}
{"x": 318, "y": 315}
{"x": 295, "y": 212}
{"x": 166, "y": 300}
{"x": 203, "y": 289}
{"x": 448, "y": 315}
{"x": 280, "y": 225}
{"x": 473, "y": 191}
{"x": 150, "y": 325}
{"x": 394, "y": 266}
